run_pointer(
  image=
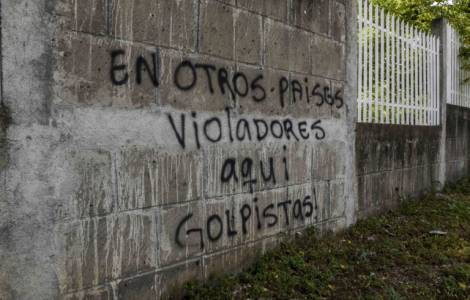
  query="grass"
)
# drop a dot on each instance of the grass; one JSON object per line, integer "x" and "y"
{"x": 393, "y": 256}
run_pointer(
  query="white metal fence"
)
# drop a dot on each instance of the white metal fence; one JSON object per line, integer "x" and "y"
{"x": 459, "y": 78}
{"x": 398, "y": 70}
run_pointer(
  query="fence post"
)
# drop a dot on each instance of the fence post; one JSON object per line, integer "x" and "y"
{"x": 440, "y": 29}
{"x": 351, "y": 89}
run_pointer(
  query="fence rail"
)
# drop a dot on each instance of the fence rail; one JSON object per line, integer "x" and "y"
{"x": 459, "y": 78}
{"x": 398, "y": 70}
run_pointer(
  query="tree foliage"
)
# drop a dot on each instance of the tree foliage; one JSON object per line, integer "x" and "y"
{"x": 422, "y": 13}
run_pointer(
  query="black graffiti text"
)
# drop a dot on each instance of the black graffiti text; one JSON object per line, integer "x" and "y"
{"x": 143, "y": 67}
{"x": 238, "y": 221}
{"x": 213, "y": 130}
{"x": 315, "y": 93}
{"x": 249, "y": 172}
{"x": 188, "y": 75}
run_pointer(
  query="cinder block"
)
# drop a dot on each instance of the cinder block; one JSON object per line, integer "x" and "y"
{"x": 217, "y": 29}
{"x": 95, "y": 251}
{"x": 367, "y": 201}
{"x": 147, "y": 177}
{"x": 248, "y": 37}
{"x": 367, "y": 154}
{"x": 276, "y": 9}
{"x": 275, "y": 169}
{"x": 410, "y": 177}
{"x": 338, "y": 21}
{"x": 92, "y": 188}
{"x": 276, "y": 41}
{"x": 299, "y": 48}
{"x": 328, "y": 58}
{"x": 269, "y": 90}
{"x": 303, "y": 208}
{"x": 311, "y": 15}
{"x": 337, "y": 198}
{"x": 381, "y": 193}
{"x": 396, "y": 186}
{"x": 263, "y": 215}
{"x": 170, "y": 280}
{"x": 206, "y": 93}
{"x": 361, "y": 193}
{"x": 321, "y": 200}
{"x": 140, "y": 287}
{"x": 218, "y": 215}
{"x": 85, "y": 67}
{"x": 181, "y": 236}
{"x": 327, "y": 161}
{"x": 164, "y": 23}
{"x": 385, "y": 156}
{"x": 84, "y": 15}
{"x": 308, "y": 97}
{"x": 342, "y": 104}
{"x": 255, "y": 6}
{"x": 224, "y": 171}
{"x": 410, "y": 155}
{"x": 299, "y": 163}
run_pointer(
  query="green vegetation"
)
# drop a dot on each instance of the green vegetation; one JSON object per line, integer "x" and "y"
{"x": 394, "y": 256}
{"x": 423, "y": 12}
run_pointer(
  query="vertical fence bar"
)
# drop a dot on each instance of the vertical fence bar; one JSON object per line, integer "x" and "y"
{"x": 420, "y": 78}
{"x": 392, "y": 87}
{"x": 387, "y": 68}
{"x": 435, "y": 88}
{"x": 433, "y": 80}
{"x": 438, "y": 81}
{"x": 360, "y": 95}
{"x": 402, "y": 74}
{"x": 413, "y": 108}
{"x": 408, "y": 74}
{"x": 371, "y": 65}
{"x": 413, "y": 78}
{"x": 376, "y": 73}
{"x": 430, "y": 82}
{"x": 419, "y": 83}
{"x": 422, "y": 52}
{"x": 426, "y": 78}
{"x": 398, "y": 72}
{"x": 366, "y": 56}
{"x": 382, "y": 67}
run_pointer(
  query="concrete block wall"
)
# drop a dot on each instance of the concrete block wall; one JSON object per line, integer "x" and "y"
{"x": 146, "y": 143}
{"x": 153, "y": 142}
{"x": 457, "y": 143}
{"x": 397, "y": 162}
{"x": 393, "y": 163}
